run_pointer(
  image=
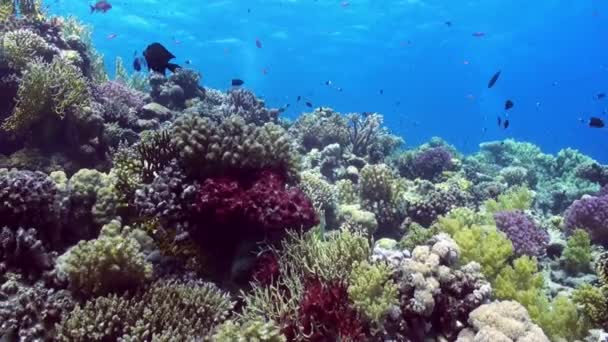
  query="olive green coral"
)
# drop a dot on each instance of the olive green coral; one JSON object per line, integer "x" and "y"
{"x": 576, "y": 257}
{"x": 379, "y": 192}
{"x": 206, "y": 147}
{"x": 517, "y": 198}
{"x": 250, "y": 331}
{"x": 54, "y": 88}
{"x": 113, "y": 262}
{"x": 372, "y": 290}
{"x": 22, "y": 47}
{"x": 167, "y": 311}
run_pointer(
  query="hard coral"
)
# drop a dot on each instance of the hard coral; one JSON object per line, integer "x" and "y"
{"x": 167, "y": 311}
{"x": 590, "y": 214}
{"x": 245, "y": 104}
{"x": 57, "y": 87}
{"x": 501, "y": 321}
{"x": 22, "y": 249}
{"x": 28, "y": 312}
{"x": 527, "y": 238}
{"x": 207, "y": 148}
{"x": 430, "y": 163}
{"x": 27, "y": 198}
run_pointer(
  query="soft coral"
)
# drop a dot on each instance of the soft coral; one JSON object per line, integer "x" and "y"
{"x": 326, "y": 314}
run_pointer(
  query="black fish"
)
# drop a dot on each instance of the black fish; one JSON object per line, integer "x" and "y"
{"x": 381, "y": 91}
{"x": 499, "y": 121}
{"x": 506, "y": 125}
{"x": 236, "y": 82}
{"x": 299, "y": 98}
{"x": 339, "y": 89}
{"x": 308, "y": 104}
{"x": 136, "y": 64}
{"x": 448, "y": 23}
{"x": 494, "y": 79}
{"x": 596, "y": 122}
{"x": 600, "y": 96}
{"x": 158, "y": 57}
{"x": 508, "y": 104}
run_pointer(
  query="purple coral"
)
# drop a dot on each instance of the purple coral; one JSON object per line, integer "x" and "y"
{"x": 430, "y": 163}
{"x": 526, "y": 236}
{"x": 117, "y": 92}
{"x": 591, "y": 214}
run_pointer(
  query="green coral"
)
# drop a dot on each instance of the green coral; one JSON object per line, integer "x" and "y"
{"x": 91, "y": 185}
{"x": 320, "y": 191}
{"x": 251, "y": 331}
{"x": 136, "y": 80}
{"x": 486, "y": 245}
{"x": 346, "y": 192}
{"x": 356, "y": 219}
{"x": 27, "y": 8}
{"x": 209, "y": 148}
{"x": 576, "y": 257}
{"x": 417, "y": 235}
{"x": 72, "y": 27}
{"x": 478, "y": 239}
{"x": 372, "y": 290}
{"x": 54, "y": 88}
{"x": 330, "y": 258}
{"x": 167, "y": 311}
{"x": 594, "y": 303}
{"x": 517, "y": 198}
{"x": 20, "y": 47}
{"x": 113, "y": 262}
{"x": 560, "y": 318}
{"x": 379, "y": 193}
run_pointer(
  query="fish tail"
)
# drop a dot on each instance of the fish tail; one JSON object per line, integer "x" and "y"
{"x": 92, "y": 8}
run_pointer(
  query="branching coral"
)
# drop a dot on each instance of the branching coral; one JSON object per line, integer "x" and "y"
{"x": 28, "y": 312}
{"x": 378, "y": 190}
{"x": 57, "y": 87}
{"x": 320, "y": 128}
{"x": 518, "y": 198}
{"x": 168, "y": 310}
{"x": 367, "y": 137}
{"x": 372, "y": 290}
{"x": 22, "y": 249}
{"x": 21, "y": 47}
{"x": 110, "y": 263}
{"x": 243, "y": 103}
{"x": 257, "y": 330}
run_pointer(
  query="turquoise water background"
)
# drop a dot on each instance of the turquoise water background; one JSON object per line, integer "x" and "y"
{"x": 553, "y": 56}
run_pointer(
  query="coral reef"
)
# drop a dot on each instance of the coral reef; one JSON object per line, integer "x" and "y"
{"x": 130, "y": 207}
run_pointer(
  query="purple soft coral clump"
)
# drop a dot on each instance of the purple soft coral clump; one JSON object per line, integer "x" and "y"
{"x": 430, "y": 163}
{"x": 527, "y": 238}
{"x": 591, "y": 214}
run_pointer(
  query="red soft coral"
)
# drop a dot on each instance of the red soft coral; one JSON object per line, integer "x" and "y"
{"x": 326, "y": 314}
{"x": 264, "y": 205}
{"x": 266, "y": 270}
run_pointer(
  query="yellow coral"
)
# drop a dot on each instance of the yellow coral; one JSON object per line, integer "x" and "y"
{"x": 372, "y": 290}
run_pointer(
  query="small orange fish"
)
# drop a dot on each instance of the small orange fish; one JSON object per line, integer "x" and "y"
{"x": 112, "y": 36}
{"x": 465, "y": 62}
{"x": 344, "y": 4}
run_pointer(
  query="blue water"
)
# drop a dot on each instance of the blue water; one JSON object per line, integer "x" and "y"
{"x": 553, "y": 56}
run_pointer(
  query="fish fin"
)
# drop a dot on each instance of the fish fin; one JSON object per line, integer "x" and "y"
{"x": 173, "y": 67}
{"x": 92, "y": 8}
